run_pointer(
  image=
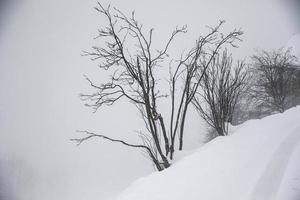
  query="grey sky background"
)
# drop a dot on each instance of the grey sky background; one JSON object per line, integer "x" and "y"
{"x": 42, "y": 74}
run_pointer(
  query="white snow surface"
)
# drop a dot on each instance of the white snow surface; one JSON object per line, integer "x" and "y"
{"x": 260, "y": 161}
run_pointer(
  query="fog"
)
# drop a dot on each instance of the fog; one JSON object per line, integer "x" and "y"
{"x": 42, "y": 74}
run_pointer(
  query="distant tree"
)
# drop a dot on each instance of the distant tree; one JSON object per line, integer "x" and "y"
{"x": 221, "y": 87}
{"x": 128, "y": 56}
{"x": 276, "y": 85}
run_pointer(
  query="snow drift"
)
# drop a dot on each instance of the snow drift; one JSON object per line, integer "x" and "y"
{"x": 257, "y": 162}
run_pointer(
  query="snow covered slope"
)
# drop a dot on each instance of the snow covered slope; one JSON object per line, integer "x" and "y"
{"x": 294, "y": 42}
{"x": 260, "y": 161}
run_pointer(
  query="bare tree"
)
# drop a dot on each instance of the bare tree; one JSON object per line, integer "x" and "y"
{"x": 222, "y": 85}
{"x": 132, "y": 77}
{"x": 276, "y": 79}
{"x": 129, "y": 57}
{"x": 194, "y": 65}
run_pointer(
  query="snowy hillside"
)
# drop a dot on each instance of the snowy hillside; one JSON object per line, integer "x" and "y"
{"x": 294, "y": 42}
{"x": 258, "y": 162}
{"x": 41, "y": 77}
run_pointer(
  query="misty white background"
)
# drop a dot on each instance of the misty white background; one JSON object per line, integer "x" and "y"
{"x": 42, "y": 74}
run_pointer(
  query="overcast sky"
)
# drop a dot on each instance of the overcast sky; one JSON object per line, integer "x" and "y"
{"x": 42, "y": 74}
